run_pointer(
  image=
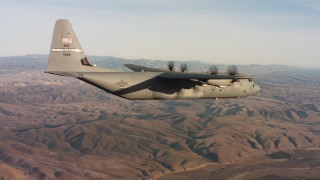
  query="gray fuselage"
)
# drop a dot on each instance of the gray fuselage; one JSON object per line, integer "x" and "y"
{"x": 146, "y": 85}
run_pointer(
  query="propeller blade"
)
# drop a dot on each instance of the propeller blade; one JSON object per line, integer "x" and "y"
{"x": 183, "y": 67}
{"x": 232, "y": 70}
{"x": 213, "y": 70}
{"x": 171, "y": 65}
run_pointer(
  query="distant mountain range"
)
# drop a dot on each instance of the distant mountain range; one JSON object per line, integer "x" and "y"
{"x": 39, "y": 62}
{"x": 59, "y": 127}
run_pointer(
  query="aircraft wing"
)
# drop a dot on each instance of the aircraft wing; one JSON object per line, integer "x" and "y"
{"x": 199, "y": 76}
{"x": 184, "y": 75}
{"x": 138, "y": 68}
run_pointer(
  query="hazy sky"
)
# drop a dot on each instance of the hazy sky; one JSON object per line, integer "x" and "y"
{"x": 215, "y": 31}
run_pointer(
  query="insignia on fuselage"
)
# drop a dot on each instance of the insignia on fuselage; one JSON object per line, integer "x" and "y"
{"x": 122, "y": 83}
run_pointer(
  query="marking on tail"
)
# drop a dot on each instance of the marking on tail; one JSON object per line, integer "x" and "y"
{"x": 66, "y": 50}
{"x": 67, "y": 40}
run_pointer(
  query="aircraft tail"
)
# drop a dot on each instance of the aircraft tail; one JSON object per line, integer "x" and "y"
{"x": 66, "y": 55}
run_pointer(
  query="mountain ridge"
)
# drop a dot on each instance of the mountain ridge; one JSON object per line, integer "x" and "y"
{"x": 60, "y": 127}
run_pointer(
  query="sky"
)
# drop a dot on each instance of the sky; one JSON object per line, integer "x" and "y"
{"x": 215, "y": 31}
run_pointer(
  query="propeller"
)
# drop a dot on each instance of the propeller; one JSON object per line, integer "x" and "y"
{"x": 183, "y": 67}
{"x": 232, "y": 70}
{"x": 213, "y": 70}
{"x": 171, "y": 65}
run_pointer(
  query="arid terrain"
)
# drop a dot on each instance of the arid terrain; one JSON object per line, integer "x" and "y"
{"x": 58, "y": 127}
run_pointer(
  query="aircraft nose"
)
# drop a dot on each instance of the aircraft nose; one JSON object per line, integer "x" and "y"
{"x": 257, "y": 88}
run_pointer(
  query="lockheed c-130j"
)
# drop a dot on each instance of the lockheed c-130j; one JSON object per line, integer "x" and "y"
{"x": 68, "y": 59}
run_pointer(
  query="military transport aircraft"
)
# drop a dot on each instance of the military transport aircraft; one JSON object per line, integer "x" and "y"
{"x": 68, "y": 59}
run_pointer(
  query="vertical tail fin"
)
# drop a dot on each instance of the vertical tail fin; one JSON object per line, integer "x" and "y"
{"x": 66, "y": 54}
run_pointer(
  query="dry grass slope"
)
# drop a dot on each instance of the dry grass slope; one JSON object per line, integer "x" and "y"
{"x": 57, "y": 127}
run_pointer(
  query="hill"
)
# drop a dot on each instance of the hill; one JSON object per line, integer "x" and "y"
{"x": 59, "y": 127}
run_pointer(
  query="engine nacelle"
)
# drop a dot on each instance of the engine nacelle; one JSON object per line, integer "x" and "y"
{"x": 220, "y": 82}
